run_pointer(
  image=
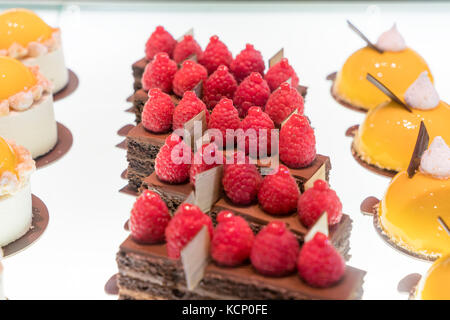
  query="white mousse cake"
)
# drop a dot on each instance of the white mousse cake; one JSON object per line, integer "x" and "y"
{"x": 25, "y": 36}
{"x": 16, "y": 213}
{"x": 26, "y": 107}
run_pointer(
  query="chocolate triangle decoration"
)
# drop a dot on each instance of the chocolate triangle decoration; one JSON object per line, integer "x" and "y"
{"x": 444, "y": 225}
{"x": 195, "y": 258}
{"x": 189, "y": 32}
{"x": 420, "y": 147}
{"x": 198, "y": 89}
{"x": 194, "y": 128}
{"x": 321, "y": 225}
{"x": 190, "y": 198}
{"x": 288, "y": 117}
{"x": 276, "y": 58}
{"x": 208, "y": 188}
{"x": 192, "y": 57}
{"x": 362, "y": 36}
{"x": 386, "y": 91}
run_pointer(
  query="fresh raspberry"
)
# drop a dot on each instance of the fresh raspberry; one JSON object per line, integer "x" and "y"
{"x": 315, "y": 201}
{"x": 279, "y": 73}
{"x": 275, "y": 250}
{"x": 279, "y": 192}
{"x": 187, "y": 108}
{"x": 184, "y": 226}
{"x": 215, "y": 54}
{"x": 159, "y": 41}
{"x": 225, "y": 116}
{"x": 247, "y": 61}
{"x": 158, "y": 112}
{"x": 207, "y": 157}
{"x": 159, "y": 73}
{"x": 232, "y": 240}
{"x": 149, "y": 218}
{"x": 173, "y": 161}
{"x": 253, "y": 91}
{"x": 319, "y": 264}
{"x": 256, "y": 135}
{"x": 283, "y": 102}
{"x": 186, "y": 48}
{"x": 186, "y": 78}
{"x": 297, "y": 142}
{"x": 220, "y": 84}
{"x": 241, "y": 180}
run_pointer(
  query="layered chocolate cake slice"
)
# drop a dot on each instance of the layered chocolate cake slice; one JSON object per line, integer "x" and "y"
{"x": 175, "y": 194}
{"x": 146, "y": 272}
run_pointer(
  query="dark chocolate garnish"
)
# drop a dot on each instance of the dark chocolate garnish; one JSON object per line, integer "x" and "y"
{"x": 386, "y": 91}
{"x": 128, "y": 190}
{"x": 276, "y": 57}
{"x": 111, "y": 285}
{"x": 444, "y": 225}
{"x": 63, "y": 145}
{"x": 421, "y": 145}
{"x": 71, "y": 86}
{"x": 124, "y": 174}
{"x": 189, "y": 32}
{"x": 409, "y": 283}
{"x": 198, "y": 89}
{"x": 126, "y": 226}
{"x": 130, "y": 109}
{"x": 369, "y": 206}
{"x": 122, "y": 145}
{"x": 124, "y": 130}
{"x": 362, "y": 36}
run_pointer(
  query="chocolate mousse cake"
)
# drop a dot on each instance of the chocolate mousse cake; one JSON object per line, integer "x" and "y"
{"x": 146, "y": 272}
{"x": 174, "y": 195}
{"x": 143, "y": 146}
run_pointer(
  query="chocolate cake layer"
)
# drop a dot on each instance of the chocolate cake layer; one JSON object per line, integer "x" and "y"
{"x": 174, "y": 195}
{"x": 145, "y": 272}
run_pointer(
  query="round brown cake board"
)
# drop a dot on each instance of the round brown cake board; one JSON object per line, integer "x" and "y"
{"x": 365, "y": 209}
{"x": 65, "y": 140}
{"x": 38, "y": 226}
{"x": 332, "y": 78}
{"x": 71, "y": 86}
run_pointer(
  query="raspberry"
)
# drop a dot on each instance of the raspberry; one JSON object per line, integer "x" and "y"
{"x": 184, "y": 226}
{"x": 207, "y": 157}
{"x": 187, "y": 108}
{"x": 232, "y": 240}
{"x": 159, "y": 41}
{"x": 275, "y": 250}
{"x": 253, "y": 91}
{"x": 173, "y": 161}
{"x": 225, "y": 116}
{"x": 279, "y": 192}
{"x": 297, "y": 142}
{"x": 149, "y": 218}
{"x": 159, "y": 73}
{"x": 186, "y": 48}
{"x": 279, "y": 73}
{"x": 215, "y": 54}
{"x": 158, "y": 112}
{"x": 241, "y": 181}
{"x": 315, "y": 201}
{"x": 257, "y": 127}
{"x": 220, "y": 84}
{"x": 283, "y": 102}
{"x": 247, "y": 61}
{"x": 190, "y": 74}
{"x": 319, "y": 264}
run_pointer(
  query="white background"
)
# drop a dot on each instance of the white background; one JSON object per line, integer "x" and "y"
{"x": 76, "y": 255}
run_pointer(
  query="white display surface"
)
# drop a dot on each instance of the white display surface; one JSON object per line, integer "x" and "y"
{"x": 76, "y": 255}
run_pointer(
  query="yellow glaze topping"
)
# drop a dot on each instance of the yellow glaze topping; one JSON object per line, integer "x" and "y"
{"x": 14, "y": 77}
{"x": 436, "y": 285}
{"x": 388, "y": 135}
{"x": 8, "y": 159}
{"x": 409, "y": 212}
{"x": 22, "y": 26}
{"x": 396, "y": 70}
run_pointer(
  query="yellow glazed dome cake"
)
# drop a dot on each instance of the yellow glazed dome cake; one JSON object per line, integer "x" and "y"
{"x": 387, "y": 136}
{"x": 16, "y": 166}
{"x": 26, "y": 107}
{"x": 397, "y": 67}
{"x": 409, "y": 211}
{"x": 25, "y": 36}
{"x": 435, "y": 285}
